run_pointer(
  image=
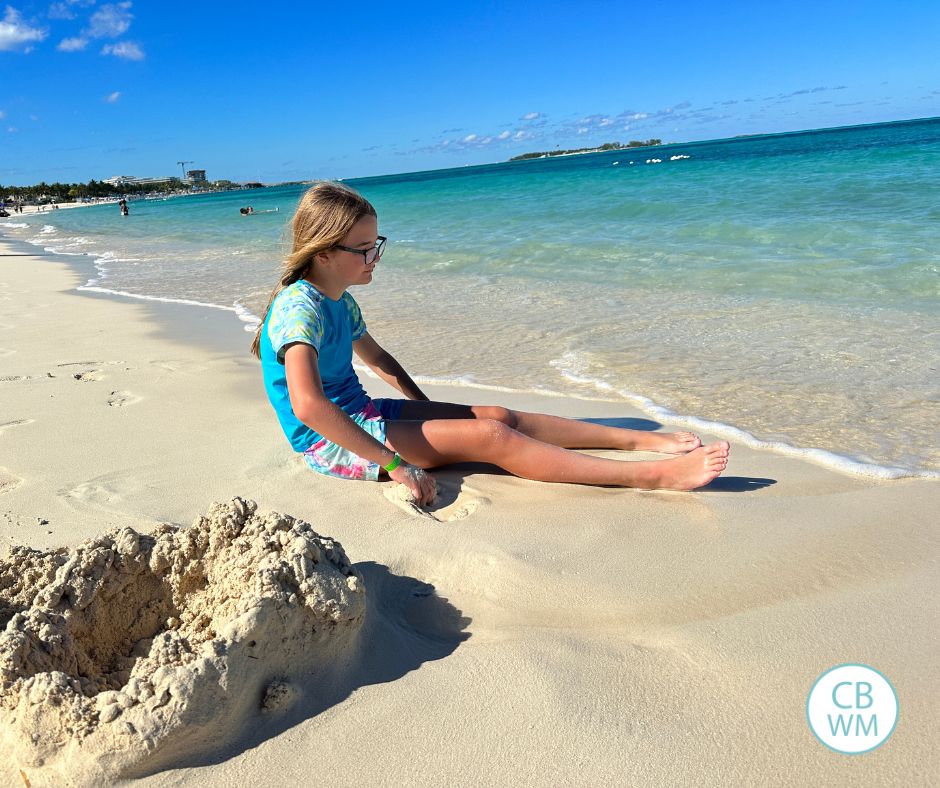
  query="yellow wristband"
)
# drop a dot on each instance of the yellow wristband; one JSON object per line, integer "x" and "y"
{"x": 396, "y": 461}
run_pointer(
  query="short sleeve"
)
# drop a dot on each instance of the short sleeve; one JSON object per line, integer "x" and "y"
{"x": 295, "y": 317}
{"x": 355, "y": 316}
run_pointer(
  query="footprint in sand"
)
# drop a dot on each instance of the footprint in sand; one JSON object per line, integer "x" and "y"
{"x": 14, "y": 378}
{"x": 80, "y": 363}
{"x": 16, "y": 423}
{"x": 454, "y": 501}
{"x": 8, "y": 481}
{"x": 92, "y": 369}
{"x": 100, "y": 493}
{"x": 120, "y": 399}
{"x": 6, "y": 352}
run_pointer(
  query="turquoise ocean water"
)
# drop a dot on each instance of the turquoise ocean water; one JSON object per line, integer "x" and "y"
{"x": 781, "y": 290}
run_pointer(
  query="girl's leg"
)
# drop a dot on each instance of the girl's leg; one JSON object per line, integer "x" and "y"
{"x": 429, "y": 444}
{"x": 567, "y": 433}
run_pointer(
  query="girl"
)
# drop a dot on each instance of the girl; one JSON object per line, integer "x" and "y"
{"x": 306, "y": 340}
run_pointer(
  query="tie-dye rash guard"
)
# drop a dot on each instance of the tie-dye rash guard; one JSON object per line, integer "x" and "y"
{"x": 301, "y": 313}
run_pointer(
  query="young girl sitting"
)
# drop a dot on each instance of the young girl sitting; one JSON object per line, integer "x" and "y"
{"x": 306, "y": 340}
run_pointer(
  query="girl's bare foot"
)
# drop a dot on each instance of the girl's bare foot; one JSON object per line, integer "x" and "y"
{"x": 695, "y": 469}
{"x": 666, "y": 442}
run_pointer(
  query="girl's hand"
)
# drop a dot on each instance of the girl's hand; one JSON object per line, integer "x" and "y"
{"x": 419, "y": 481}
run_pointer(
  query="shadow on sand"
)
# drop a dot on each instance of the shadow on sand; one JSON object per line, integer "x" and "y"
{"x": 647, "y": 425}
{"x": 406, "y": 624}
{"x": 737, "y": 484}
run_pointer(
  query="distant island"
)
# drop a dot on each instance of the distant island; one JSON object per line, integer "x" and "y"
{"x": 605, "y": 147}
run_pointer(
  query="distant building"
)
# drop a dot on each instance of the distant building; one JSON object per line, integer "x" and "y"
{"x": 196, "y": 176}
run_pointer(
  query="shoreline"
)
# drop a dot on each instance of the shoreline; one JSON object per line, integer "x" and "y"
{"x": 34, "y": 209}
{"x": 627, "y": 625}
{"x": 114, "y": 200}
{"x": 825, "y": 458}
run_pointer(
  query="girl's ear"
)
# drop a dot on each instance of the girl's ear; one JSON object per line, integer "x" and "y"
{"x": 323, "y": 258}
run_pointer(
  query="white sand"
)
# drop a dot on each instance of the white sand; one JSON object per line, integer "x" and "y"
{"x": 131, "y": 652}
{"x": 49, "y": 208}
{"x": 572, "y": 635}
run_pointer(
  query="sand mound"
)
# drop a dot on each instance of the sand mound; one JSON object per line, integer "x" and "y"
{"x": 131, "y": 650}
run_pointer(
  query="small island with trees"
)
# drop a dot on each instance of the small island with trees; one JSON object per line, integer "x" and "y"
{"x": 607, "y": 146}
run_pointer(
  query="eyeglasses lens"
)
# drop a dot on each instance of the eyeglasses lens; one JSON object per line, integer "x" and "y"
{"x": 375, "y": 252}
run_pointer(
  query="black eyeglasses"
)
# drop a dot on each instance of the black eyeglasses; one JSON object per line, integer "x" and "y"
{"x": 368, "y": 255}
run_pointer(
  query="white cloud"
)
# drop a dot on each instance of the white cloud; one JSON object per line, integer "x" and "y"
{"x": 531, "y": 116}
{"x": 60, "y": 11}
{"x": 2, "y": 114}
{"x": 504, "y": 135}
{"x": 469, "y": 138}
{"x": 17, "y": 34}
{"x": 113, "y": 97}
{"x": 596, "y": 120}
{"x": 110, "y": 21}
{"x": 63, "y": 10}
{"x": 583, "y": 130}
{"x": 12, "y": 129}
{"x": 34, "y": 117}
{"x": 72, "y": 44}
{"x": 124, "y": 49}
{"x": 521, "y": 135}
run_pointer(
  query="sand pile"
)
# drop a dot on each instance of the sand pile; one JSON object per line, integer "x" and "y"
{"x": 131, "y": 650}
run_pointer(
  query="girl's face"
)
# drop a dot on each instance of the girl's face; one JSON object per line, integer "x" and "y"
{"x": 350, "y": 267}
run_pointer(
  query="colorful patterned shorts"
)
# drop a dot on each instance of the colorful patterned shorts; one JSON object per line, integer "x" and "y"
{"x": 333, "y": 460}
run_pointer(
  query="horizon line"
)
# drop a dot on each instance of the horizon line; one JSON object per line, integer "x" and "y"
{"x": 735, "y": 138}
{"x": 587, "y": 152}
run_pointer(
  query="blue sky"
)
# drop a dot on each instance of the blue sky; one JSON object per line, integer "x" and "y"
{"x": 284, "y": 91}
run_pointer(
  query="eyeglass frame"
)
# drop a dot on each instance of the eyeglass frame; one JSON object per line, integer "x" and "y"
{"x": 379, "y": 246}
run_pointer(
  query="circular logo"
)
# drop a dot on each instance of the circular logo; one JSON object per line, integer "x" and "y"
{"x": 852, "y": 709}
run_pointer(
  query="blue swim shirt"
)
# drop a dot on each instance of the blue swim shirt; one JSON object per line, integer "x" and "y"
{"x": 301, "y": 313}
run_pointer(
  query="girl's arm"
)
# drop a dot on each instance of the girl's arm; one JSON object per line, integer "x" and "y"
{"x": 386, "y": 367}
{"x": 314, "y": 409}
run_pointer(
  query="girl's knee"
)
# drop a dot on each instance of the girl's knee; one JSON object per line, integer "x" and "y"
{"x": 496, "y": 413}
{"x": 494, "y": 433}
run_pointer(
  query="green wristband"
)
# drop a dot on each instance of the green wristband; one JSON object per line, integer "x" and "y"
{"x": 396, "y": 461}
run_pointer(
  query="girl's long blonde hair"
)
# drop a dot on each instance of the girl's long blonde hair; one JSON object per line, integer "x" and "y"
{"x": 326, "y": 213}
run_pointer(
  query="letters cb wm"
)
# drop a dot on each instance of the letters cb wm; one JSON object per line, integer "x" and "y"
{"x": 852, "y": 709}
